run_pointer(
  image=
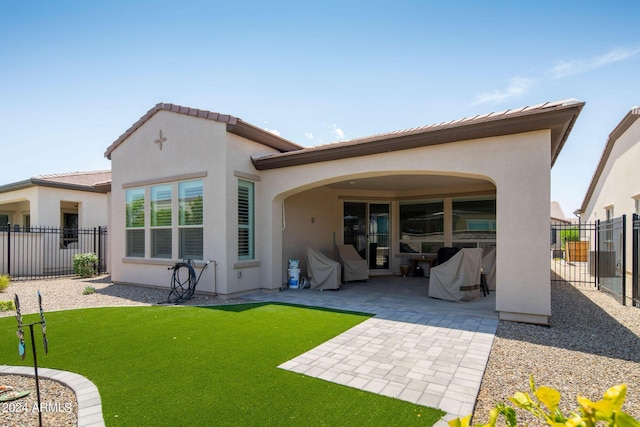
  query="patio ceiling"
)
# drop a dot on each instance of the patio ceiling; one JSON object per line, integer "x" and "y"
{"x": 431, "y": 184}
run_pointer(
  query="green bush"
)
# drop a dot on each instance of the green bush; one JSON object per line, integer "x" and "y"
{"x": 84, "y": 265}
{"x": 544, "y": 406}
{"x": 7, "y": 306}
{"x": 569, "y": 235}
{"x": 89, "y": 290}
{"x": 4, "y": 282}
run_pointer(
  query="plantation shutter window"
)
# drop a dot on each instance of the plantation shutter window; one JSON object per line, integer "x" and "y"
{"x": 135, "y": 222}
{"x": 245, "y": 220}
{"x": 160, "y": 209}
{"x": 190, "y": 215}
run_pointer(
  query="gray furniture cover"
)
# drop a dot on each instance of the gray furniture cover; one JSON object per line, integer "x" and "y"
{"x": 323, "y": 272}
{"x": 353, "y": 266}
{"x": 459, "y": 278}
{"x": 489, "y": 266}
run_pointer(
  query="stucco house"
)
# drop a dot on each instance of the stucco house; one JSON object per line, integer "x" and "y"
{"x": 190, "y": 183}
{"x": 52, "y": 218}
{"x": 615, "y": 186}
{"x": 76, "y": 199}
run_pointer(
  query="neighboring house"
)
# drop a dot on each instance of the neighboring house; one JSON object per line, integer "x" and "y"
{"x": 52, "y": 217}
{"x": 213, "y": 187}
{"x": 615, "y": 187}
{"x": 70, "y": 200}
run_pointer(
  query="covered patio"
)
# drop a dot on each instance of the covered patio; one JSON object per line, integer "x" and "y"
{"x": 386, "y": 297}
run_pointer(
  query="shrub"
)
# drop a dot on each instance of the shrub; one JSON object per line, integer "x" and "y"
{"x": 4, "y": 282}
{"x": 545, "y": 407}
{"x": 89, "y": 290}
{"x": 84, "y": 265}
{"x": 569, "y": 235}
{"x": 7, "y": 306}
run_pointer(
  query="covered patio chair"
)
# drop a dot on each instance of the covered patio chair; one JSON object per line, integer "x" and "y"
{"x": 457, "y": 279}
{"x": 489, "y": 266}
{"x": 323, "y": 272}
{"x": 353, "y": 266}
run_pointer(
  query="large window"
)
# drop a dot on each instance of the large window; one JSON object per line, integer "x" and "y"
{"x": 474, "y": 222}
{"x": 421, "y": 226}
{"x": 191, "y": 221}
{"x": 245, "y": 220}
{"x": 175, "y": 214}
{"x": 160, "y": 207}
{"x": 135, "y": 222}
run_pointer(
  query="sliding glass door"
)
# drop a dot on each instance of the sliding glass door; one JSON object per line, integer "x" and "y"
{"x": 367, "y": 227}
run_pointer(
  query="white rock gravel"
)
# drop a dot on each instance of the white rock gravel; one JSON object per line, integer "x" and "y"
{"x": 593, "y": 343}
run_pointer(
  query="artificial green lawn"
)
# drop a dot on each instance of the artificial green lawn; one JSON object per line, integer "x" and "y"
{"x": 190, "y": 366}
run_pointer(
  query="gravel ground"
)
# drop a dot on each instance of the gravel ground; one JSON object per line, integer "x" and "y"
{"x": 593, "y": 343}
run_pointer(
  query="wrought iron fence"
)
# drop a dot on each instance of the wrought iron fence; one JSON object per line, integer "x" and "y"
{"x": 40, "y": 252}
{"x": 611, "y": 257}
{"x": 635, "y": 279}
{"x": 573, "y": 253}
{"x": 592, "y": 254}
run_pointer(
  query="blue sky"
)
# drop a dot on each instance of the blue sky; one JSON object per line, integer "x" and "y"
{"x": 74, "y": 75}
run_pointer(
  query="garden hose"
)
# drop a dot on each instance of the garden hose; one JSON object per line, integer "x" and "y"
{"x": 183, "y": 281}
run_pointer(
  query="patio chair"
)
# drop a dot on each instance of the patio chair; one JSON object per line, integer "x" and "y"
{"x": 323, "y": 272}
{"x": 353, "y": 266}
{"x": 457, "y": 279}
{"x": 444, "y": 254}
{"x": 489, "y": 267}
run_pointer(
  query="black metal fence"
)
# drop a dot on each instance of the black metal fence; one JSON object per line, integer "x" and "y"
{"x": 592, "y": 254}
{"x": 635, "y": 278}
{"x": 41, "y": 252}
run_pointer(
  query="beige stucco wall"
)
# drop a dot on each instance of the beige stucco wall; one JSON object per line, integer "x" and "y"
{"x": 619, "y": 184}
{"x": 194, "y": 149}
{"x": 519, "y": 167}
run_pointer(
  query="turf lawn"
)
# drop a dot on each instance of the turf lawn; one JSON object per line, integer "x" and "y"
{"x": 191, "y": 366}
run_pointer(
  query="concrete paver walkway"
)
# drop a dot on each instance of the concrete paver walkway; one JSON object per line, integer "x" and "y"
{"x": 416, "y": 349}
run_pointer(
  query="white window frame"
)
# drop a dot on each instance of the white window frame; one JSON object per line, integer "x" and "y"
{"x": 246, "y": 220}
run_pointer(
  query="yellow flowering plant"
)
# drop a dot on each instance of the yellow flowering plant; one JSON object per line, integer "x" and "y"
{"x": 543, "y": 404}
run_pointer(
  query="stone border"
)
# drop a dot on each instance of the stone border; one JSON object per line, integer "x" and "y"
{"x": 87, "y": 394}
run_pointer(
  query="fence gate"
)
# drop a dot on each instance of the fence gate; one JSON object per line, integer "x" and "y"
{"x": 573, "y": 253}
{"x": 635, "y": 285}
{"x": 611, "y": 257}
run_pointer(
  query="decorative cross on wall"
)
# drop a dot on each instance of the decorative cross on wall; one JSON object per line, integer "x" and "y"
{"x": 160, "y": 140}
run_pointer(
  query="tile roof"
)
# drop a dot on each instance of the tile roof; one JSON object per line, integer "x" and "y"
{"x": 93, "y": 181}
{"x": 558, "y": 116}
{"x": 89, "y": 179}
{"x": 234, "y": 125}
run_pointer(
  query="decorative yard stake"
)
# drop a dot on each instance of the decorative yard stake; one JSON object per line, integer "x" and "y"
{"x": 21, "y": 346}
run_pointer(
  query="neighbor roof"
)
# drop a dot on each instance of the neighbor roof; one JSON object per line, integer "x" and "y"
{"x": 623, "y": 126}
{"x": 94, "y": 181}
{"x": 234, "y": 125}
{"x": 559, "y": 117}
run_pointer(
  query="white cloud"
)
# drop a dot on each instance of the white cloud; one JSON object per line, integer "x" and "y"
{"x": 308, "y": 135}
{"x": 568, "y": 68}
{"x": 337, "y": 132}
{"x": 273, "y": 131}
{"x": 518, "y": 86}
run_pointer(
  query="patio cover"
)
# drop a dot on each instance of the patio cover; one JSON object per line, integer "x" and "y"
{"x": 324, "y": 272}
{"x": 489, "y": 267}
{"x": 458, "y": 279}
{"x": 354, "y": 267}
